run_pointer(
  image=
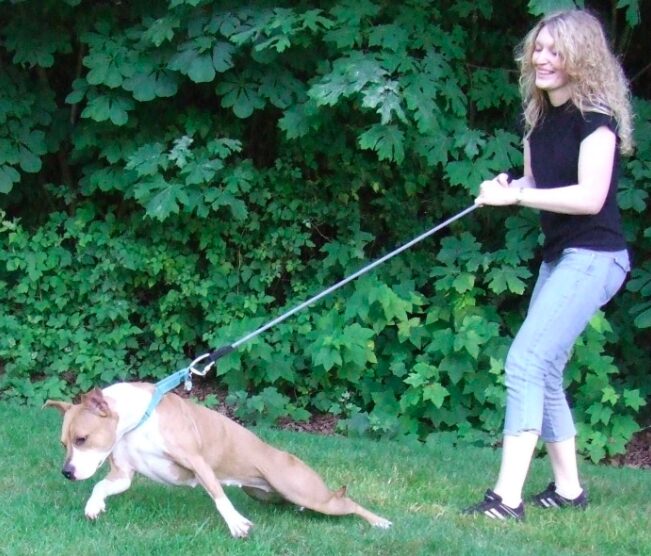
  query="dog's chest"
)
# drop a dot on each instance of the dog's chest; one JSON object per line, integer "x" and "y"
{"x": 143, "y": 450}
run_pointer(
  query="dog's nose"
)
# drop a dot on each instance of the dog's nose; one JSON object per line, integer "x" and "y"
{"x": 68, "y": 472}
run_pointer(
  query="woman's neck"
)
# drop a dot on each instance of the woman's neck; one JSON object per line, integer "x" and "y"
{"x": 559, "y": 97}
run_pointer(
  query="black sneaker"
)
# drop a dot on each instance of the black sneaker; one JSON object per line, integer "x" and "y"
{"x": 492, "y": 506}
{"x": 549, "y": 498}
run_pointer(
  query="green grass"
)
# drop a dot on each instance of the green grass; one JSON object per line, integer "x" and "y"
{"x": 419, "y": 488}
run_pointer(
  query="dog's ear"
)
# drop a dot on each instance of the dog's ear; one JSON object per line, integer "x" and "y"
{"x": 61, "y": 406}
{"x": 96, "y": 403}
{"x": 341, "y": 492}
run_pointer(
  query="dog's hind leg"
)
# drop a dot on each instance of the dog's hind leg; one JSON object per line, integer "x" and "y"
{"x": 303, "y": 486}
{"x": 118, "y": 480}
{"x": 238, "y": 525}
{"x": 340, "y": 504}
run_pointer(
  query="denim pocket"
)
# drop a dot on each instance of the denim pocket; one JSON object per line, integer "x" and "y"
{"x": 621, "y": 259}
{"x": 619, "y": 268}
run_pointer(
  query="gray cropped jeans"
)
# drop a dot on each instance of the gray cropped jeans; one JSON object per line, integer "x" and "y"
{"x": 567, "y": 294}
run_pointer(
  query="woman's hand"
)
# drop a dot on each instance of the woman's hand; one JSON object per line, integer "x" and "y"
{"x": 496, "y": 192}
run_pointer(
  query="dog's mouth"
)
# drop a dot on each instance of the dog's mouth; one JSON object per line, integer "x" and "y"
{"x": 83, "y": 465}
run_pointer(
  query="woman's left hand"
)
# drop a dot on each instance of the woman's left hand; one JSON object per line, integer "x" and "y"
{"x": 496, "y": 192}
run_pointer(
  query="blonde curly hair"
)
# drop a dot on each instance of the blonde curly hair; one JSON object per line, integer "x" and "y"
{"x": 598, "y": 83}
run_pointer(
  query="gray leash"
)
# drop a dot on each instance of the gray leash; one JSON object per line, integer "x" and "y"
{"x": 209, "y": 359}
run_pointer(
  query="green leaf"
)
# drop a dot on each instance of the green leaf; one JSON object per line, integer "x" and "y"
{"x": 79, "y": 89}
{"x": 463, "y": 282}
{"x": 108, "y": 62}
{"x": 633, "y": 399}
{"x": 160, "y": 197}
{"x": 632, "y": 198}
{"x": 150, "y": 85}
{"x": 391, "y": 37}
{"x": 280, "y": 87}
{"x": 161, "y": 30}
{"x": 28, "y": 161}
{"x": 541, "y": 7}
{"x": 222, "y": 56}
{"x": 180, "y": 154}
{"x": 108, "y": 107}
{"x": 422, "y": 373}
{"x": 147, "y": 160}
{"x": 240, "y": 94}
{"x": 640, "y": 280}
{"x": 435, "y": 393}
{"x": 419, "y": 93}
{"x": 456, "y": 366}
{"x": 201, "y": 69}
{"x": 633, "y": 16}
{"x": 296, "y": 121}
{"x": 393, "y": 307}
{"x": 643, "y": 315}
{"x": 599, "y": 414}
{"x": 8, "y": 177}
{"x": 350, "y": 74}
{"x": 509, "y": 278}
{"x": 328, "y": 357}
{"x": 387, "y": 141}
{"x": 442, "y": 341}
{"x": 610, "y": 396}
{"x": 217, "y": 198}
{"x": 435, "y": 150}
{"x": 474, "y": 332}
{"x": 201, "y": 171}
{"x": 387, "y": 99}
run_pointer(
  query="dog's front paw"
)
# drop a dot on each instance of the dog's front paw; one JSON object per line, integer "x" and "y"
{"x": 382, "y": 523}
{"x": 240, "y": 528}
{"x": 94, "y": 508}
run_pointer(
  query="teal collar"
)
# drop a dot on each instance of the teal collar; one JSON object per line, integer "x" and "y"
{"x": 163, "y": 387}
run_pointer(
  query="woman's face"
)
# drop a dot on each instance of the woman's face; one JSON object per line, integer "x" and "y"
{"x": 550, "y": 73}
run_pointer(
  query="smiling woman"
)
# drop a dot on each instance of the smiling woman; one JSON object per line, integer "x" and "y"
{"x": 578, "y": 119}
{"x": 551, "y": 76}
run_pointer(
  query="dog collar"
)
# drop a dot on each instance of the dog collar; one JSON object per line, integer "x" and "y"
{"x": 163, "y": 387}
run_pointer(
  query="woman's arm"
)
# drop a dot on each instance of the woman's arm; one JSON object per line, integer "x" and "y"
{"x": 596, "y": 157}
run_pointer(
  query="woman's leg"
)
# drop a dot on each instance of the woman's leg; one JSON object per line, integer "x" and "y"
{"x": 567, "y": 295}
{"x": 517, "y": 451}
{"x": 562, "y": 456}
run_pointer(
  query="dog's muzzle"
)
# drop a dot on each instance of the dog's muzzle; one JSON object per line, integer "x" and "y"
{"x": 68, "y": 472}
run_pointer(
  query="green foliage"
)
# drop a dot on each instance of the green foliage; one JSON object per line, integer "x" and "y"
{"x": 173, "y": 175}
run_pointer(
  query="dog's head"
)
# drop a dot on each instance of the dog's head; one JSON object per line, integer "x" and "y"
{"x": 88, "y": 434}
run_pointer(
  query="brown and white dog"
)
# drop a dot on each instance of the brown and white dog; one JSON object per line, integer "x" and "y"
{"x": 183, "y": 443}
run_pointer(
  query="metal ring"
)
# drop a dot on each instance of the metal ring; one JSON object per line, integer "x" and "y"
{"x": 205, "y": 370}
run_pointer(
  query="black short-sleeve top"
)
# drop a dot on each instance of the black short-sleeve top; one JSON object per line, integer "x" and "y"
{"x": 554, "y": 147}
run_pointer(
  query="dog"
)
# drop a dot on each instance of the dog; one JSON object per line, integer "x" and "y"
{"x": 183, "y": 443}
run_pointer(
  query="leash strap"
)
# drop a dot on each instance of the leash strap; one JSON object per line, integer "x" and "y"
{"x": 185, "y": 375}
{"x": 211, "y": 358}
{"x": 163, "y": 387}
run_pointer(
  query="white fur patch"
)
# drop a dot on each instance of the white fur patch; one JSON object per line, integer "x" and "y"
{"x": 86, "y": 462}
{"x": 144, "y": 450}
{"x": 238, "y": 525}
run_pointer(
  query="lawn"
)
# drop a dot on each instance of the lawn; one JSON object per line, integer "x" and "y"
{"x": 420, "y": 488}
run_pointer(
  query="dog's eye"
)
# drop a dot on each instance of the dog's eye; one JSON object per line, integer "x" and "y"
{"x": 80, "y": 440}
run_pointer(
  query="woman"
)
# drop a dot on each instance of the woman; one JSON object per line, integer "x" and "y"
{"x": 577, "y": 120}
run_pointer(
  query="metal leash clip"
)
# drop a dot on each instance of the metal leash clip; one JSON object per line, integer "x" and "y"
{"x": 200, "y": 372}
